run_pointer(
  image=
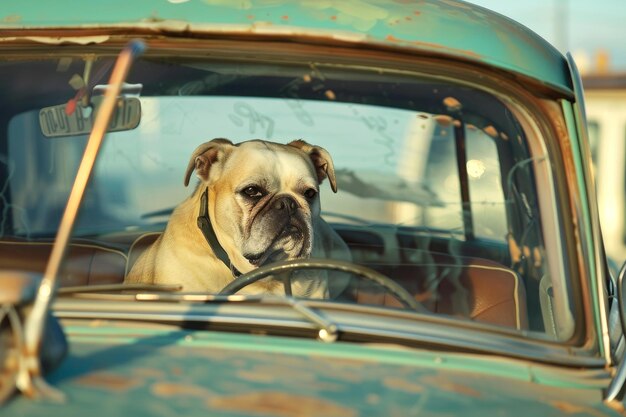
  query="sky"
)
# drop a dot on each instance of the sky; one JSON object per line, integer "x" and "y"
{"x": 583, "y": 27}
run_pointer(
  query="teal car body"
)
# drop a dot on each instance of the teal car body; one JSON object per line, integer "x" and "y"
{"x": 209, "y": 355}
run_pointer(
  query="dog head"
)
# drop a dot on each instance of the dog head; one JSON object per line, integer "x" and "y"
{"x": 263, "y": 197}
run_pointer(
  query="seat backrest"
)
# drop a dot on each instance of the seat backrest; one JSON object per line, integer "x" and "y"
{"x": 139, "y": 246}
{"x": 475, "y": 288}
{"x": 85, "y": 263}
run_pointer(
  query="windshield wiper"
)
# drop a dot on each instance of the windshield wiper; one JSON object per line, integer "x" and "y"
{"x": 327, "y": 331}
{"x": 83, "y": 289}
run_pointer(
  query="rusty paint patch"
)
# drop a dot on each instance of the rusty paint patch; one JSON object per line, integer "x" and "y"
{"x": 491, "y": 131}
{"x": 148, "y": 373}
{"x": 537, "y": 257}
{"x": 430, "y": 45}
{"x": 170, "y": 389}
{"x": 439, "y": 382}
{"x": 254, "y": 376}
{"x": 12, "y": 18}
{"x": 303, "y": 376}
{"x": 452, "y": 104}
{"x": 569, "y": 408}
{"x": 402, "y": 385}
{"x": 514, "y": 249}
{"x": 443, "y": 119}
{"x": 279, "y": 404}
{"x": 284, "y": 372}
{"x": 373, "y": 399}
{"x": 339, "y": 363}
{"x": 108, "y": 381}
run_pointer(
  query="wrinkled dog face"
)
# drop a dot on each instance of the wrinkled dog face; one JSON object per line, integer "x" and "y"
{"x": 263, "y": 196}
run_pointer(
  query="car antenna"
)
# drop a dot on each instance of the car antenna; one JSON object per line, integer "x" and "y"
{"x": 29, "y": 380}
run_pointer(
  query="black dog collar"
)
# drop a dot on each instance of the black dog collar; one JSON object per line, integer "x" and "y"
{"x": 205, "y": 226}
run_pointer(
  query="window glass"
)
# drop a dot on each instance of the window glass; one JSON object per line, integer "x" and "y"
{"x": 436, "y": 187}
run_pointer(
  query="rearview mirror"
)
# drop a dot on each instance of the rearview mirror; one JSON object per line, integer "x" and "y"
{"x": 59, "y": 120}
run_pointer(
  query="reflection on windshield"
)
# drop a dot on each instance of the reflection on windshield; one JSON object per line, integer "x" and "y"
{"x": 436, "y": 190}
{"x": 393, "y": 166}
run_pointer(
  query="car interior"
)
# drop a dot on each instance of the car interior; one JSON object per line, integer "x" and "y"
{"x": 471, "y": 270}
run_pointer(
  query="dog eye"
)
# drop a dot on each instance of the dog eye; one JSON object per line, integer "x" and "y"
{"x": 253, "y": 192}
{"x": 310, "y": 193}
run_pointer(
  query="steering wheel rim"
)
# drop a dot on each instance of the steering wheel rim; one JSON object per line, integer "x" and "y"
{"x": 282, "y": 267}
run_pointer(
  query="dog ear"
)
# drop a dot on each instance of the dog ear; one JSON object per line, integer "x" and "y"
{"x": 204, "y": 156}
{"x": 321, "y": 159}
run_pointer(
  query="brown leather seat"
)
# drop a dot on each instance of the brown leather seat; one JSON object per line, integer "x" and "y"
{"x": 139, "y": 246}
{"x": 475, "y": 288}
{"x": 85, "y": 263}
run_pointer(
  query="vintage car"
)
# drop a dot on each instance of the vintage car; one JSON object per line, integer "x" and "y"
{"x": 475, "y": 281}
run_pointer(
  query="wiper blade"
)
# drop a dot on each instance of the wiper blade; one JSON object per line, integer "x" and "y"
{"x": 327, "y": 331}
{"x": 82, "y": 289}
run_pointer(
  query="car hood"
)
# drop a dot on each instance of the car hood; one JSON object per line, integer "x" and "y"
{"x": 121, "y": 370}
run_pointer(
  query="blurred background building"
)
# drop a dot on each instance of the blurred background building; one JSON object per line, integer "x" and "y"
{"x": 595, "y": 34}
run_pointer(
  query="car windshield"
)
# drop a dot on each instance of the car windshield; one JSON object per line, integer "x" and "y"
{"x": 438, "y": 179}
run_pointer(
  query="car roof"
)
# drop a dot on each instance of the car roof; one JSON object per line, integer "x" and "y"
{"x": 441, "y": 27}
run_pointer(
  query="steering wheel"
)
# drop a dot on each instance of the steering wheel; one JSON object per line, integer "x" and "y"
{"x": 283, "y": 271}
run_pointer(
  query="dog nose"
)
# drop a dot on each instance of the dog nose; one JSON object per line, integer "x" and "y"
{"x": 286, "y": 204}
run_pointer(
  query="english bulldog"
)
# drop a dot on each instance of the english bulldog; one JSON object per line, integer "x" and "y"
{"x": 260, "y": 201}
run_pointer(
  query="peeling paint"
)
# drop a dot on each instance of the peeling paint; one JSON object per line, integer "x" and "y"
{"x": 443, "y": 119}
{"x": 169, "y": 389}
{"x": 491, "y": 131}
{"x": 148, "y": 373}
{"x": 433, "y": 46}
{"x": 514, "y": 249}
{"x": 80, "y": 40}
{"x": 109, "y": 381}
{"x": 452, "y": 28}
{"x": 13, "y": 18}
{"x": 440, "y": 382}
{"x": 280, "y": 404}
{"x": 452, "y": 104}
{"x": 402, "y": 384}
{"x": 569, "y": 408}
